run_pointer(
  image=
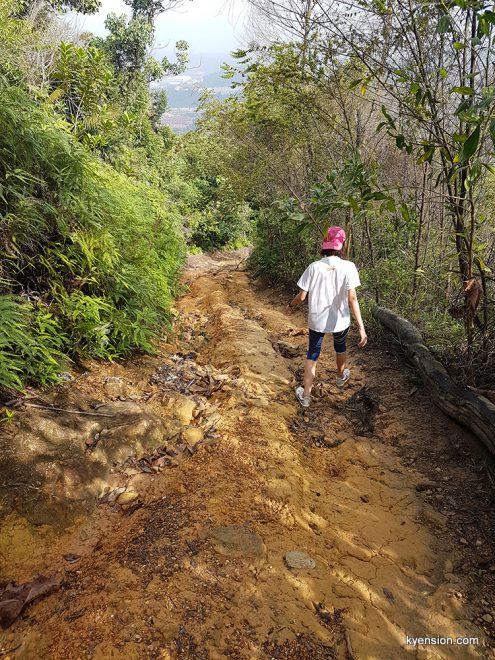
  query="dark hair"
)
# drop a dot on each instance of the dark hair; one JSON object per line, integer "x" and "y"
{"x": 331, "y": 253}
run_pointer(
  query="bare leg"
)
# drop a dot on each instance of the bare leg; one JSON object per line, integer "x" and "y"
{"x": 340, "y": 358}
{"x": 309, "y": 376}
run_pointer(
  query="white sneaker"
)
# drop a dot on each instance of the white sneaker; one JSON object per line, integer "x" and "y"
{"x": 341, "y": 382}
{"x": 303, "y": 400}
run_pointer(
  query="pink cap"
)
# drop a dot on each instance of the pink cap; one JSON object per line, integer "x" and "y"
{"x": 335, "y": 239}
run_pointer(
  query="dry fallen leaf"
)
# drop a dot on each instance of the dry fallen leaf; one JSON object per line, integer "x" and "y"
{"x": 144, "y": 467}
{"x": 132, "y": 508}
{"x": 325, "y": 615}
{"x": 474, "y": 293}
{"x": 110, "y": 496}
{"x": 197, "y": 389}
{"x": 16, "y": 597}
{"x": 162, "y": 461}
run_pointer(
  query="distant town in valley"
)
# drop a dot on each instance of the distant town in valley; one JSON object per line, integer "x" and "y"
{"x": 184, "y": 91}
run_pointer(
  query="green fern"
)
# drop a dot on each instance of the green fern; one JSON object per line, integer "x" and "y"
{"x": 13, "y": 332}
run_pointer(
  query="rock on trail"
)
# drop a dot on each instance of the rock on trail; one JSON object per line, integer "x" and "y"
{"x": 237, "y": 541}
{"x": 298, "y": 559}
{"x": 262, "y": 531}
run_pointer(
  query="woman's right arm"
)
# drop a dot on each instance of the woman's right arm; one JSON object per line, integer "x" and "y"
{"x": 298, "y": 299}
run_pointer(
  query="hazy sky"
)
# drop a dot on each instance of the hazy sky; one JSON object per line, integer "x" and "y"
{"x": 210, "y": 26}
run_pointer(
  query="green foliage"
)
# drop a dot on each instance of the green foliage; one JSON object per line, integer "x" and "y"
{"x": 82, "y": 79}
{"x": 159, "y": 104}
{"x": 289, "y": 236}
{"x": 219, "y": 226}
{"x": 121, "y": 119}
{"x": 93, "y": 193}
{"x": 182, "y": 59}
{"x": 101, "y": 253}
{"x": 221, "y": 217}
{"x": 150, "y": 9}
{"x": 20, "y": 42}
{"x": 128, "y": 42}
{"x": 13, "y": 334}
{"x": 127, "y": 47}
{"x": 282, "y": 248}
{"x": 355, "y": 187}
{"x": 81, "y": 6}
{"x": 30, "y": 344}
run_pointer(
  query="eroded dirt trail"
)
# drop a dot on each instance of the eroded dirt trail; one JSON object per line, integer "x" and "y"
{"x": 198, "y": 571}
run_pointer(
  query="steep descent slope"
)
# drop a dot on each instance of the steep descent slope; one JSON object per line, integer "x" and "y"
{"x": 200, "y": 569}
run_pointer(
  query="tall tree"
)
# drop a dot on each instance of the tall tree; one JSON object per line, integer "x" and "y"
{"x": 150, "y": 9}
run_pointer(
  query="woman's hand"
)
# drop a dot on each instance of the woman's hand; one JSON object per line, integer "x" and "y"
{"x": 363, "y": 338}
{"x": 301, "y": 297}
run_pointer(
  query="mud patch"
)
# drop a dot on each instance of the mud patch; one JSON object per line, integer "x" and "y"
{"x": 309, "y": 426}
{"x": 360, "y": 409}
{"x": 185, "y": 648}
{"x": 303, "y": 647}
{"x": 157, "y": 549}
{"x": 287, "y": 350}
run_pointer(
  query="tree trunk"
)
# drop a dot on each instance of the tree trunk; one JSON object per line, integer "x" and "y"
{"x": 474, "y": 412}
{"x": 420, "y": 233}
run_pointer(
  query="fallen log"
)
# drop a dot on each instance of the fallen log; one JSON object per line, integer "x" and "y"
{"x": 463, "y": 405}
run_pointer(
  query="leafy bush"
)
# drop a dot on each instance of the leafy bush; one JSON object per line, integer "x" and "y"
{"x": 220, "y": 216}
{"x": 30, "y": 344}
{"x": 282, "y": 250}
{"x": 97, "y": 252}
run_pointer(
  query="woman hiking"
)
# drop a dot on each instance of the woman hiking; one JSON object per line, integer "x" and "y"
{"x": 331, "y": 284}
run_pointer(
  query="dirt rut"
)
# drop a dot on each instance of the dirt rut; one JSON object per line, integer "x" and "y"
{"x": 199, "y": 571}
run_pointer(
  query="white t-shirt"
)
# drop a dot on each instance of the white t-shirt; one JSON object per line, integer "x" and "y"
{"x": 327, "y": 282}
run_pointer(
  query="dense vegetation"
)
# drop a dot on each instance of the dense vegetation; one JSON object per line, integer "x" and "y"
{"x": 90, "y": 235}
{"x": 97, "y": 198}
{"x": 380, "y": 119}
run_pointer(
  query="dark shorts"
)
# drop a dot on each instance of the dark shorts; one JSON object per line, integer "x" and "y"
{"x": 316, "y": 340}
